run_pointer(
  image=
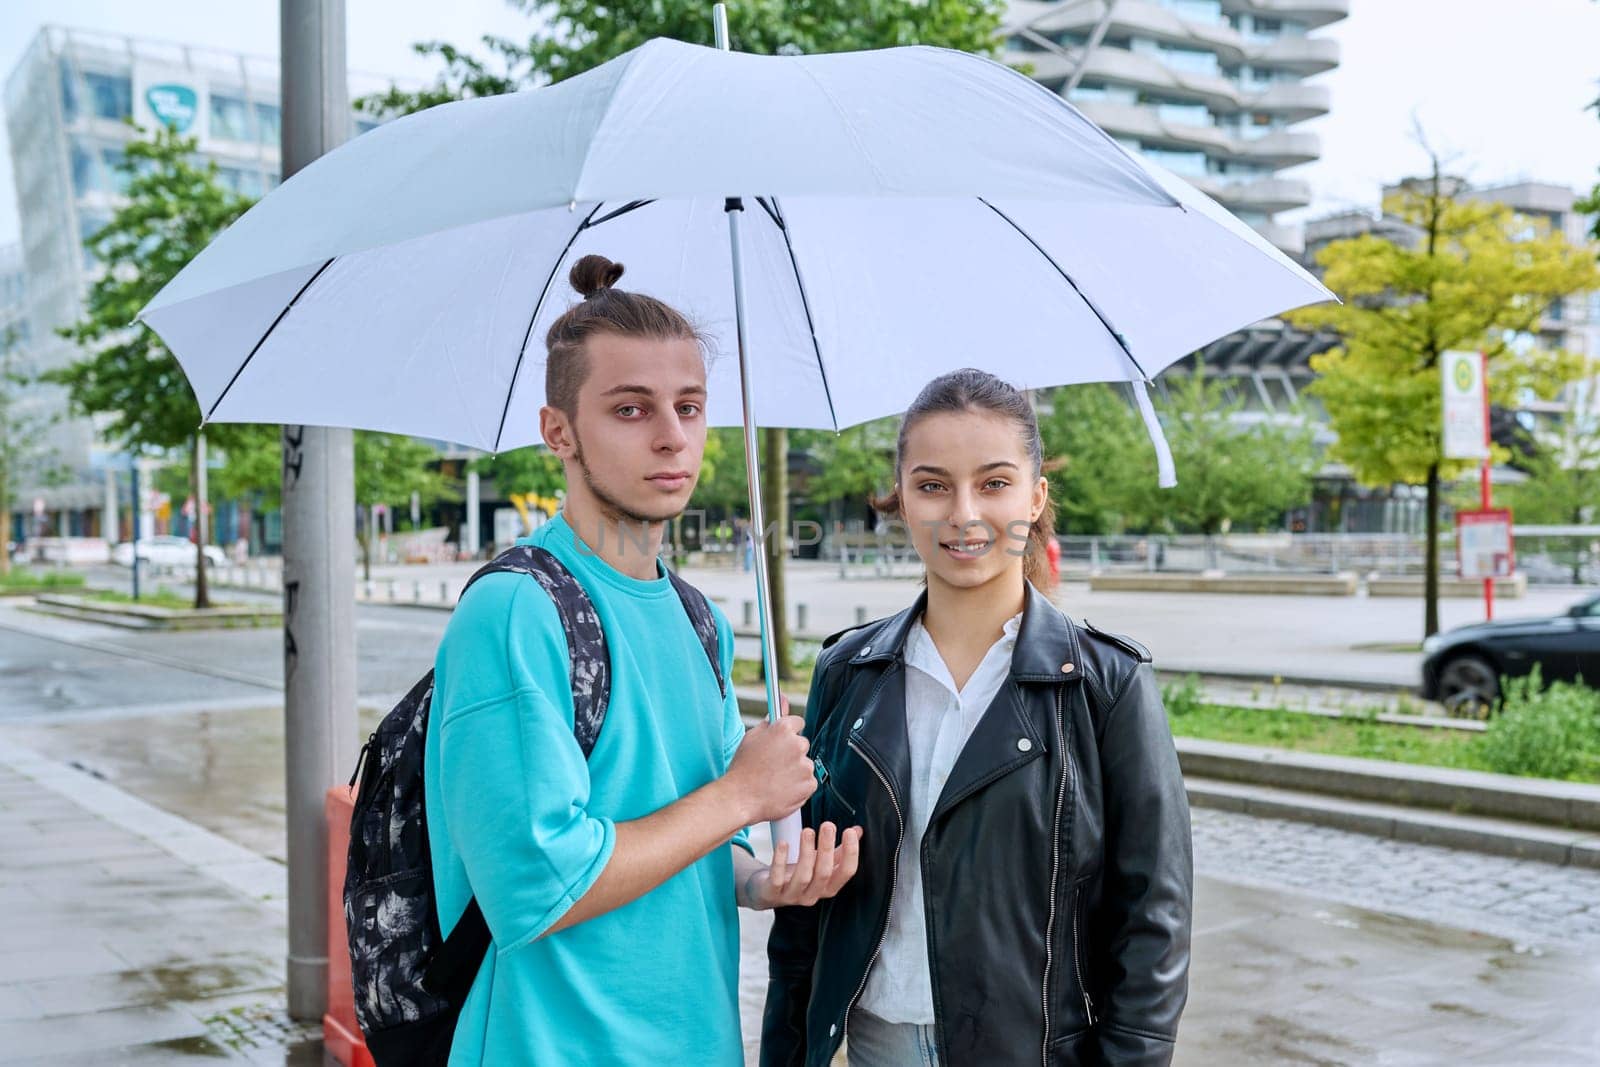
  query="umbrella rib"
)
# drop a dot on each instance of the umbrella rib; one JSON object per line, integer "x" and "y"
{"x": 623, "y": 210}
{"x": 1122, "y": 342}
{"x": 537, "y": 307}
{"x": 302, "y": 292}
{"x": 776, "y": 213}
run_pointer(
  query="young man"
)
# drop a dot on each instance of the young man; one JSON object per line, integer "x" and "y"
{"x": 609, "y": 884}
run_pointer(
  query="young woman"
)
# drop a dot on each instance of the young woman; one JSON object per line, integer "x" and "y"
{"x": 1025, "y": 880}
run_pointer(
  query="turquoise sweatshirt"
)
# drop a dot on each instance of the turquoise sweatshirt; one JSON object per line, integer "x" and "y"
{"x": 517, "y": 816}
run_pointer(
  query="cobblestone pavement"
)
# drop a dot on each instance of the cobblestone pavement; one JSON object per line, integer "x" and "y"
{"x": 1521, "y": 900}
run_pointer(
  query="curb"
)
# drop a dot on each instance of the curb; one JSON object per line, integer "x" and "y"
{"x": 1498, "y": 837}
{"x": 1566, "y": 805}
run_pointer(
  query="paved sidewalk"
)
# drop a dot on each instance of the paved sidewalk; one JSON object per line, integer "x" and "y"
{"x": 133, "y": 936}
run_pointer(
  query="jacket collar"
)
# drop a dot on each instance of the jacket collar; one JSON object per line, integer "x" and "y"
{"x": 1047, "y": 648}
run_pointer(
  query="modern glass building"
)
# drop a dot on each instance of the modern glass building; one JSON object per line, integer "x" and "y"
{"x": 68, "y": 105}
{"x": 1209, "y": 89}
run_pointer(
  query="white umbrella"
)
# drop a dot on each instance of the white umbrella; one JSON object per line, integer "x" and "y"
{"x": 891, "y": 215}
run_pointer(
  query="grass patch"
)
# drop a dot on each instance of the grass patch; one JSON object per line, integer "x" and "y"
{"x": 33, "y": 579}
{"x": 748, "y": 672}
{"x": 161, "y": 597}
{"x": 1361, "y": 737}
{"x": 1388, "y": 646}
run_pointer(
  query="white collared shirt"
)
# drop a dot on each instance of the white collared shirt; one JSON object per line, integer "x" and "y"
{"x": 939, "y": 719}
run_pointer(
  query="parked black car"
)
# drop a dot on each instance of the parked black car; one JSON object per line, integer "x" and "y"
{"x": 1462, "y": 668}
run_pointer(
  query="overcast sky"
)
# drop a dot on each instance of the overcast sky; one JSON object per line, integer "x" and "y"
{"x": 1501, "y": 88}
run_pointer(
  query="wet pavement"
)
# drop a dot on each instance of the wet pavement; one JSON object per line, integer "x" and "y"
{"x": 141, "y": 842}
{"x": 153, "y": 935}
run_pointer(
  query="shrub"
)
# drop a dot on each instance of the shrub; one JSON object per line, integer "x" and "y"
{"x": 1549, "y": 732}
{"x": 1182, "y": 696}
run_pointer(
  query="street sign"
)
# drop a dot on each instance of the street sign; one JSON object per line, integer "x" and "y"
{"x": 1483, "y": 543}
{"x": 1466, "y": 410}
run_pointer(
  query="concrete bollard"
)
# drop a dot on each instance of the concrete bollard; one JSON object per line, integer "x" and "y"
{"x": 416, "y": 590}
{"x": 800, "y": 618}
{"x": 444, "y": 591}
{"x": 861, "y": 615}
{"x": 366, "y": 589}
{"x": 389, "y": 591}
{"x": 749, "y": 613}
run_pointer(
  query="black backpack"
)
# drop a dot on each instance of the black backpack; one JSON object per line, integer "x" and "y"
{"x": 409, "y": 982}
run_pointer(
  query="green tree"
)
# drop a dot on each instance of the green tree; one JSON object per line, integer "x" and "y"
{"x": 1480, "y": 277}
{"x": 569, "y": 37}
{"x": 1563, "y": 486}
{"x": 524, "y": 470}
{"x": 388, "y": 469}
{"x": 1232, "y": 472}
{"x": 174, "y": 206}
{"x": 23, "y": 453}
{"x": 854, "y": 464}
{"x": 723, "y": 487}
{"x": 1100, "y": 464}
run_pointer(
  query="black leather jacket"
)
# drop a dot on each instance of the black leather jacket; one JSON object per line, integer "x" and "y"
{"x": 1056, "y": 867}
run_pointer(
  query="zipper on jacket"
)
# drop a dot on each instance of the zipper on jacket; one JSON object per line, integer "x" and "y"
{"x": 1077, "y": 966}
{"x": 1055, "y": 875}
{"x": 894, "y": 876}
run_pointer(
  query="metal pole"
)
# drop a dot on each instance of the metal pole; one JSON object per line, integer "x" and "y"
{"x": 1485, "y": 493}
{"x": 786, "y": 830}
{"x": 133, "y": 513}
{"x": 319, "y": 665}
{"x": 473, "y": 536}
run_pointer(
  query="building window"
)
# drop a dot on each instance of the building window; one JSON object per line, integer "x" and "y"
{"x": 69, "y": 93}
{"x": 230, "y": 119}
{"x": 246, "y": 181}
{"x": 1196, "y": 10}
{"x": 1185, "y": 114}
{"x": 86, "y": 176}
{"x": 1191, "y": 61}
{"x": 89, "y": 224}
{"x": 269, "y": 123}
{"x": 1191, "y": 164}
{"x": 117, "y": 179}
{"x": 110, "y": 95}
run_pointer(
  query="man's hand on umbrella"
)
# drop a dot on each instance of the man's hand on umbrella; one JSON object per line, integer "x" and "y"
{"x": 827, "y": 861}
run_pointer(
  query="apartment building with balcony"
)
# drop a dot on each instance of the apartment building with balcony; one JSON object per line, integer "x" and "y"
{"x": 1210, "y": 89}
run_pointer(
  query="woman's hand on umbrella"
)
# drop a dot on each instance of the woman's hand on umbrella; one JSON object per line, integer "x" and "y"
{"x": 827, "y": 860}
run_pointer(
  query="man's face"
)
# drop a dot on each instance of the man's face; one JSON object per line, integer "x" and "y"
{"x": 640, "y": 429}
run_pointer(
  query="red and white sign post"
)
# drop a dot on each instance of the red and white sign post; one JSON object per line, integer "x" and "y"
{"x": 1483, "y": 537}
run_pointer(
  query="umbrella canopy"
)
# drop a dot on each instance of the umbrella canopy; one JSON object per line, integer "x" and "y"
{"x": 906, "y": 212}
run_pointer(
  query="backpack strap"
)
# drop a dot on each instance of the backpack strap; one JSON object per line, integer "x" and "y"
{"x": 698, "y": 609}
{"x": 589, "y": 658}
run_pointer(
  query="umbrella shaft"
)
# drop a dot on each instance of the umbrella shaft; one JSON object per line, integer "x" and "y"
{"x": 758, "y": 522}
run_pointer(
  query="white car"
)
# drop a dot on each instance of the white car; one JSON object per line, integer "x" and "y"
{"x": 165, "y": 552}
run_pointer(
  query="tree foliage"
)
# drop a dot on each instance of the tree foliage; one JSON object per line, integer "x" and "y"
{"x": 1480, "y": 277}
{"x": 572, "y": 36}
{"x": 1234, "y": 471}
{"x": 173, "y": 206}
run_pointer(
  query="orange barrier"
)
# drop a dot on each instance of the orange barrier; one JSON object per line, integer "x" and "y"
{"x": 341, "y": 1035}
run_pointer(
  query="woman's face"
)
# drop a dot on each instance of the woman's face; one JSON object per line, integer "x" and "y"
{"x": 968, "y": 494}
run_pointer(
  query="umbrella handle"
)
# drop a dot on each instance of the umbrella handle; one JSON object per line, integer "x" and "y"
{"x": 786, "y": 831}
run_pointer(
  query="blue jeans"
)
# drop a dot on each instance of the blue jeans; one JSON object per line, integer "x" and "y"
{"x": 876, "y": 1043}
